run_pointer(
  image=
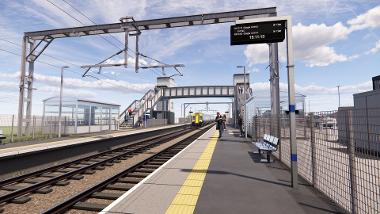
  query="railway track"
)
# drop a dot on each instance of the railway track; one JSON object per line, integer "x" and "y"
{"x": 20, "y": 189}
{"x": 113, "y": 187}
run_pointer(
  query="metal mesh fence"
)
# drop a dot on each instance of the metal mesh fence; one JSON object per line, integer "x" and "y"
{"x": 40, "y": 128}
{"x": 338, "y": 153}
{"x": 48, "y": 127}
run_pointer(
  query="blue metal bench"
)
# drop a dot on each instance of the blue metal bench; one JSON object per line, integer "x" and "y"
{"x": 269, "y": 144}
{"x": 2, "y": 136}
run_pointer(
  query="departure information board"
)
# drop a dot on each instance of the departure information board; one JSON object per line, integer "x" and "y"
{"x": 258, "y": 32}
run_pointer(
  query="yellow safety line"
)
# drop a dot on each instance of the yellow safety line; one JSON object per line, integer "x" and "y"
{"x": 186, "y": 198}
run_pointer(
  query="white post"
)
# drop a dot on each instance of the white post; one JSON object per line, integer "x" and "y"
{"x": 292, "y": 105}
{"x": 338, "y": 95}
{"x": 60, "y": 103}
{"x": 109, "y": 118}
{"x": 33, "y": 126}
{"x": 144, "y": 120}
{"x": 43, "y": 119}
{"x": 101, "y": 118}
{"x": 89, "y": 120}
{"x": 76, "y": 118}
{"x": 245, "y": 107}
{"x": 13, "y": 121}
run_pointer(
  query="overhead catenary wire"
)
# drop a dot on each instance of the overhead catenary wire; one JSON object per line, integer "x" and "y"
{"x": 45, "y": 54}
{"x": 69, "y": 69}
{"x": 16, "y": 54}
{"x": 88, "y": 18}
{"x": 55, "y": 58}
{"x": 73, "y": 17}
{"x": 66, "y": 62}
{"x": 92, "y": 21}
{"x": 115, "y": 38}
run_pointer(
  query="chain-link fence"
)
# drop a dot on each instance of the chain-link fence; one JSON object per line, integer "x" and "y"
{"x": 338, "y": 153}
{"x": 48, "y": 127}
{"x": 8, "y": 125}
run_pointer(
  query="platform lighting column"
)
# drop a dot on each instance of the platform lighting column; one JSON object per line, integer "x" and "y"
{"x": 60, "y": 102}
{"x": 338, "y": 95}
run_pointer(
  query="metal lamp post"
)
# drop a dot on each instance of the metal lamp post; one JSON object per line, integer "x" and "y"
{"x": 338, "y": 86}
{"x": 60, "y": 102}
{"x": 245, "y": 98}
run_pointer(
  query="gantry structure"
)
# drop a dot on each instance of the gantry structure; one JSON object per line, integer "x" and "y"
{"x": 35, "y": 43}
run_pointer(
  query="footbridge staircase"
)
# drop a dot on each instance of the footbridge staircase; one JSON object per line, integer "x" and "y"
{"x": 150, "y": 99}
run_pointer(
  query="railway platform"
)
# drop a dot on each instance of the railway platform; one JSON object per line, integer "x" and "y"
{"x": 223, "y": 175}
{"x": 27, "y": 149}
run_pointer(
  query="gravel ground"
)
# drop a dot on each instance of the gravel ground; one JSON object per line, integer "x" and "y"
{"x": 41, "y": 202}
{"x": 80, "y": 212}
{"x": 44, "y": 166}
{"x": 2, "y": 192}
{"x": 99, "y": 201}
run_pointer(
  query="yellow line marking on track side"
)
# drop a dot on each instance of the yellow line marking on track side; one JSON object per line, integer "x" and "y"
{"x": 186, "y": 199}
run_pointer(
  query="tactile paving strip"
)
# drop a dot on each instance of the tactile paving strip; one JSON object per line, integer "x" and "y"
{"x": 186, "y": 199}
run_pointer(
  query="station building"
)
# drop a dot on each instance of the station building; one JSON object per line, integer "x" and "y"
{"x": 79, "y": 115}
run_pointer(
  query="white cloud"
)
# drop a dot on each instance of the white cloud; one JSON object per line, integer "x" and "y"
{"x": 257, "y": 54}
{"x": 313, "y": 89}
{"x": 254, "y": 70}
{"x": 73, "y": 83}
{"x": 374, "y": 49}
{"x": 311, "y": 45}
{"x": 105, "y": 11}
{"x": 323, "y": 56}
{"x": 9, "y": 75}
{"x": 6, "y": 85}
{"x": 102, "y": 84}
{"x": 131, "y": 61}
{"x": 50, "y": 13}
{"x": 69, "y": 92}
{"x": 8, "y": 98}
{"x": 370, "y": 19}
{"x": 178, "y": 39}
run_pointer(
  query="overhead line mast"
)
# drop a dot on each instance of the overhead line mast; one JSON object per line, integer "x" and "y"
{"x": 134, "y": 27}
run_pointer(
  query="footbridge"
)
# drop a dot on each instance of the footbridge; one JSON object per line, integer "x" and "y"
{"x": 198, "y": 91}
{"x": 158, "y": 99}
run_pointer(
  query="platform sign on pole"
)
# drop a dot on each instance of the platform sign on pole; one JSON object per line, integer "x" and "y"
{"x": 258, "y": 32}
{"x": 273, "y": 30}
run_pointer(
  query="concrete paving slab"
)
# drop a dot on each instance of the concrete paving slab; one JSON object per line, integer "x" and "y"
{"x": 62, "y": 143}
{"x": 155, "y": 193}
{"x": 238, "y": 182}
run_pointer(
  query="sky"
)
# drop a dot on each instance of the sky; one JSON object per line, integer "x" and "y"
{"x": 336, "y": 42}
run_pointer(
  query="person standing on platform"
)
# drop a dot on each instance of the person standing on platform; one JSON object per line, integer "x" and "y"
{"x": 224, "y": 121}
{"x": 240, "y": 123}
{"x": 219, "y": 124}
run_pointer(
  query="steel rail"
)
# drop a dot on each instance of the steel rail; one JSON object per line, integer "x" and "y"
{"x": 67, "y": 204}
{"x": 20, "y": 192}
{"x": 39, "y": 172}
